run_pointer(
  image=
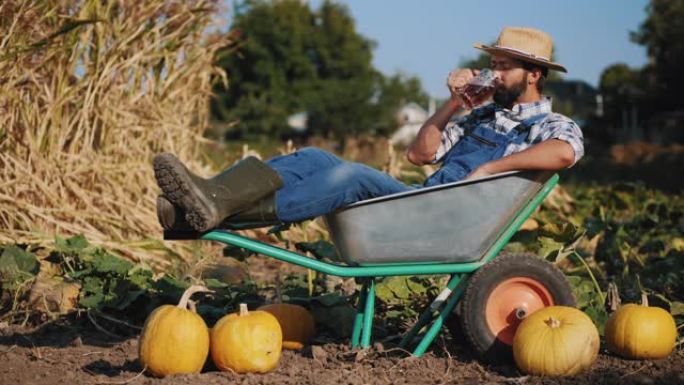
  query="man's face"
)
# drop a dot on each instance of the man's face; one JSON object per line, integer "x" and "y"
{"x": 513, "y": 80}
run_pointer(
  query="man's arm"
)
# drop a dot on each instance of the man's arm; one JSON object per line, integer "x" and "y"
{"x": 552, "y": 154}
{"x": 422, "y": 150}
{"x": 424, "y": 147}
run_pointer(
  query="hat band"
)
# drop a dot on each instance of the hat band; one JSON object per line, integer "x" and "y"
{"x": 531, "y": 55}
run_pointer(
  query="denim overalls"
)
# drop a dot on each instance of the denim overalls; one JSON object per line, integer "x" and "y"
{"x": 478, "y": 145}
{"x": 317, "y": 182}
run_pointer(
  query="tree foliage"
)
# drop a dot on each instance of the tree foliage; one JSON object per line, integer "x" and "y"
{"x": 651, "y": 89}
{"x": 662, "y": 33}
{"x": 293, "y": 59}
{"x": 621, "y": 87}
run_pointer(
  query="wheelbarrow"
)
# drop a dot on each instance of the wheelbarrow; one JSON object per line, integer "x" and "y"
{"x": 455, "y": 229}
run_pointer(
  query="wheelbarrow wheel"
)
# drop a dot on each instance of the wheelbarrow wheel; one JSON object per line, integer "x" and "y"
{"x": 501, "y": 294}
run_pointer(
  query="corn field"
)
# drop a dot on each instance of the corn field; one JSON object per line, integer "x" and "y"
{"x": 90, "y": 90}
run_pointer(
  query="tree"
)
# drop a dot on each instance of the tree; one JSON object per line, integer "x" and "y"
{"x": 291, "y": 59}
{"x": 621, "y": 87}
{"x": 346, "y": 78}
{"x": 662, "y": 33}
{"x": 269, "y": 72}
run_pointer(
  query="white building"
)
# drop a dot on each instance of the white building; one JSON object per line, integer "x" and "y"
{"x": 411, "y": 117}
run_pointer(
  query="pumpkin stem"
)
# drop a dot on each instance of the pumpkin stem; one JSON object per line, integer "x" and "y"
{"x": 243, "y": 310}
{"x": 183, "y": 303}
{"x": 612, "y": 297}
{"x": 644, "y": 299}
{"x": 552, "y": 322}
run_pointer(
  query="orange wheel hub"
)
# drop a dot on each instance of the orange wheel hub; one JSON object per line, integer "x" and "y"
{"x": 510, "y": 302}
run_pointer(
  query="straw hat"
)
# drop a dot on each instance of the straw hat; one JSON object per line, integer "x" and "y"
{"x": 526, "y": 44}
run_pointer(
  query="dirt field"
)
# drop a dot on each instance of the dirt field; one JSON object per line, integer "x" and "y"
{"x": 67, "y": 354}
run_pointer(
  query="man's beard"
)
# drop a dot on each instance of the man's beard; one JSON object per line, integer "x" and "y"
{"x": 507, "y": 97}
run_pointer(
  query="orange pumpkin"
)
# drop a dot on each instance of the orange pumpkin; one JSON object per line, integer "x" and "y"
{"x": 641, "y": 332}
{"x": 295, "y": 321}
{"x": 556, "y": 341}
{"x": 174, "y": 339}
{"x": 246, "y": 342}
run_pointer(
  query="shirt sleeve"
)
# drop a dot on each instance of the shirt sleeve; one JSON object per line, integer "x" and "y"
{"x": 563, "y": 128}
{"x": 452, "y": 133}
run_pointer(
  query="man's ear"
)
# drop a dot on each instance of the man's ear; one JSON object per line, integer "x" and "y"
{"x": 533, "y": 76}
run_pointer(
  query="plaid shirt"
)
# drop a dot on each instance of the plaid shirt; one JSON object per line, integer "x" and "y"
{"x": 553, "y": 126}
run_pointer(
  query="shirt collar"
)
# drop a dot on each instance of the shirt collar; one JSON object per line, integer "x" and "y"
{"x": 523, "y": 111}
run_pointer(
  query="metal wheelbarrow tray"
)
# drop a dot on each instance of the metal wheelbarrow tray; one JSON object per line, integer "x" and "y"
{"x": 456, "y": 229}
{"x": 451, "y": 223}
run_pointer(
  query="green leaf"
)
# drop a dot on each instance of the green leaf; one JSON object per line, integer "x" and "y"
{"x": 170, "y": 288}
{"x": 87, "y": 271}
{"x": 391, "y": 289}
{"x": 93, "y": 285}
{"x": 126, "y": 299}
{"x": 213, "y": 283}
{"x": 107, "y": 263}
{"x": 93, "y": 301}
{"x": 320, "y": 249}
{"x": 210, "y": 312}
{"x": 15, "y": 258}
{"x": 331, "y": 299}
{"x": 237, "y": 253}
{"x": 599, "y": 316}
{"x": 140, "y": 277}
{"x": 74, "y": 244}
{"x": 565, "y": 233}
{"x": 584, "y": 291}
{"x": 677, "y": 308}
{"x": 16, "y": 266}
{"x": 549, "y": 247}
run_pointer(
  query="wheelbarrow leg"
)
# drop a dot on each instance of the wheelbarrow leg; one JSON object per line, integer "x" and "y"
{"x": 368, "y": 315}
{"x": 458, "y": 282}
{"x": 363, "y": 321}
{"x": 358, "y": 318}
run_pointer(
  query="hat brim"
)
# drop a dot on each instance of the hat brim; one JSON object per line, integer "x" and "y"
{"x": 520, "y": 56}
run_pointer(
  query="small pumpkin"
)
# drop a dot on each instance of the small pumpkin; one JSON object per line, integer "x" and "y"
{"x": 247, "y": 342}
{"x": 555, "y": 341}
{"x": 641, "y": 332}
{"x": 295, "y": 321}
{"x": 174, "y": 339}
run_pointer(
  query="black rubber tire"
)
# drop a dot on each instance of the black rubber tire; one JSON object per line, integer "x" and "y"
{"x": 471, "y": 309}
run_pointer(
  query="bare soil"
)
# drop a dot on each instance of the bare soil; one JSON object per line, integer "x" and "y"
{"x": 76, "y": 353}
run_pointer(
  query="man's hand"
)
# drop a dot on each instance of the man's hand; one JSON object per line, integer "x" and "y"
{"x": 458, "y": 79}
{"x": 480, "y": 172}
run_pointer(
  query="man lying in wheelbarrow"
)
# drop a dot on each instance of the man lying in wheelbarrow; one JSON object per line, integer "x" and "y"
{"x": 517, "y": 131}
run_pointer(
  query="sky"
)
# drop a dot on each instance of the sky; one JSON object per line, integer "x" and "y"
{"x": 428, "y": 38}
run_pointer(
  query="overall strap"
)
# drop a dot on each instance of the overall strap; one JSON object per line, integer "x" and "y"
{"x": 525, "y": 127}
{"x": 527, "y": 124}
{"x": 476, "y": 117}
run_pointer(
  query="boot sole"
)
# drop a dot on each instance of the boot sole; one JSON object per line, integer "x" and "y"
{"x": 166, "y": 212}
{"x": 177, "y": 186}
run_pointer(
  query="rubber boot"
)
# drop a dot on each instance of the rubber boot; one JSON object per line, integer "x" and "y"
{"x": 207, "y": 202}
{"x": 172, "y": 218}
{"x": 262, "y": 213}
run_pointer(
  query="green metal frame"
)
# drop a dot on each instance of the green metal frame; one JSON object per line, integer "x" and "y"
{"x": 438, "y": 310}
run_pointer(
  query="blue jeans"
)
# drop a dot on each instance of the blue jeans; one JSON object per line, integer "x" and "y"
{"x": 317, "y": 182}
